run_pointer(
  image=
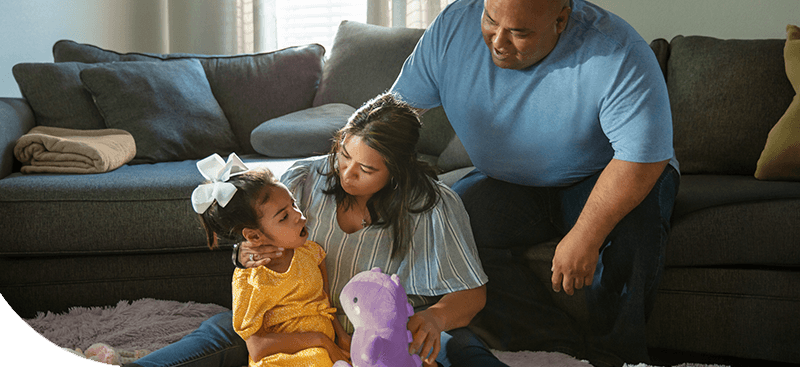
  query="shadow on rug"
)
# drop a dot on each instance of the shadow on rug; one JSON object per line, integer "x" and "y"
{"x": 147, "y": 324}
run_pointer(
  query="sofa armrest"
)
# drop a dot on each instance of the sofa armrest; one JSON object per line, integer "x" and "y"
{"x": 16, "y": 119}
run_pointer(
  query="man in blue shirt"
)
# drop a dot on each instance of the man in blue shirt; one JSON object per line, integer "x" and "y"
{"x": 564, "y": 111}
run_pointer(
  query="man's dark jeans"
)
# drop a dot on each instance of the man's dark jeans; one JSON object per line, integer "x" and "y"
{"x": 508, "y": 219}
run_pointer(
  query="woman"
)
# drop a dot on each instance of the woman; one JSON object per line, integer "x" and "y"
{"x": 372, "y": 203}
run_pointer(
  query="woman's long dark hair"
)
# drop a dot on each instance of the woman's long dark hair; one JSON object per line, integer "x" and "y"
{"x": 391, "y": 127}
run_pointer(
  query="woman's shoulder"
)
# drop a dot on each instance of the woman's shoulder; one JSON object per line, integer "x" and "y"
{"x": 304, "y": 166}
{"x": 305, "y": 174}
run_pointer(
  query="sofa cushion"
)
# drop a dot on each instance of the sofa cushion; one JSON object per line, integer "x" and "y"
{"x": 56, "y": 95}
{"x": 168, "y": 107}
{"x": 250, "y": 88}
{"x": 303, "y": 133}
{"x": 135, "y": 209}
{"x": 726, "y": 95}
{"x": 729, "y": 220}
{"x": 780, "y": 159}
{"x": 364, "y": 61}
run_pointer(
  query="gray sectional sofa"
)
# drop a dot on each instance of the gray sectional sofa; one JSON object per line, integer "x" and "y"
{"x": 731, "y": 287}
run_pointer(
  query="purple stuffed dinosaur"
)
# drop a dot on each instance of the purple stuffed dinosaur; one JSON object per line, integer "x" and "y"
{"x": 377, "y": 305}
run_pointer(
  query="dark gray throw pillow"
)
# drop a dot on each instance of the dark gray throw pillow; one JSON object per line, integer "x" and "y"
{"x": 56, "y": 95}
{"x": 168, "y": 107}
{"x": 250, "y": 88}
{"x": 303, "y": 133}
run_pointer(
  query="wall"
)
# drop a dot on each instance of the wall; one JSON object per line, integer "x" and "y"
{"x": 28, "y": 29}
{"x": 747, "y": 19}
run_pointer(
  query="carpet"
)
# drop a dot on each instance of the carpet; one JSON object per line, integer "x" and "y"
{"x": 151, "y": 324}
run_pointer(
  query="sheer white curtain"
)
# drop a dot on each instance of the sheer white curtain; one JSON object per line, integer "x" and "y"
{"x": 404, "y": 13}
{"x": 220, "y": 27}
{"x": 226, "y": 27}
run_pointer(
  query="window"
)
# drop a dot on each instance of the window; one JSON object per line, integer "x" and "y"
{"x": 300, "y": 22}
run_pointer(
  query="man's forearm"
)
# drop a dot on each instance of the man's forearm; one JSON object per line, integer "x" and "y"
{"x": 620, "y": 188}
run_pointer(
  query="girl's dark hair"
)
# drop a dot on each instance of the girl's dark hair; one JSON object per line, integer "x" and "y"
{"x": 240, "y": 212}
{"x": 391, "y": 127}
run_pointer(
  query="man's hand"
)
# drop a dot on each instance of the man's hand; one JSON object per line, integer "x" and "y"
{"x": 573, "y": 264}
{"x": 426, "y": 330}
{"x": 261, "y": 255}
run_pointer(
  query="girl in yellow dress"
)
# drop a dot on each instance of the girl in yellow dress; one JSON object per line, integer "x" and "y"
{"x": 281, "y": 310}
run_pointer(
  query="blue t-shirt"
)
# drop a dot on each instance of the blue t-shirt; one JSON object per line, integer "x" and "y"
{"x": 600, "y": 94}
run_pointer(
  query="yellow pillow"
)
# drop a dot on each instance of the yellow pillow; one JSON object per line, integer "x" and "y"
{"x": 780, "y": 159}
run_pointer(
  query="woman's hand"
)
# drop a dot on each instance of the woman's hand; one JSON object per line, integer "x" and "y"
{"x": 335, "y": 351}
{"x": 261, "y": 255}
{"x": 426, "y": 330}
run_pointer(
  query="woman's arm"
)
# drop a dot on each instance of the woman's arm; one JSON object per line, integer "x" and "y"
{"x": 454, "y": 310}
{"x": 342, "y": 338}
{"x": 263, "y": 344}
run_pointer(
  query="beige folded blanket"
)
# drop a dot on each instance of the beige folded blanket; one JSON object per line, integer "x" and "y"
{"x": 47, "y": 149}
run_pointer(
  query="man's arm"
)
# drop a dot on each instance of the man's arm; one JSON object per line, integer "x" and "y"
{"x": 620, "y": 188}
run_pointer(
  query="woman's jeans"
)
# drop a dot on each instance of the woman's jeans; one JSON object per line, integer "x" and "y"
{"x": 216, "y": 344}
{"x": 520, "y": 314}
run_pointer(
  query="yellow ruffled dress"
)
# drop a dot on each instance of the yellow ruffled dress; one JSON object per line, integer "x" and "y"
{"x": 288, "y": 302}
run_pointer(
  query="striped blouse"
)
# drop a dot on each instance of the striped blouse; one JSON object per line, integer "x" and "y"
{"x": 442, "y": 257}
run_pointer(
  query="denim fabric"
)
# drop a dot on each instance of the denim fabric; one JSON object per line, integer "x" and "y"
{"x": 214, "y": 343}
{"x": 520, "y": 314}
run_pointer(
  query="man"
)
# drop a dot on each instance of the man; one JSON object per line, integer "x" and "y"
{"x": 564, "y": 111}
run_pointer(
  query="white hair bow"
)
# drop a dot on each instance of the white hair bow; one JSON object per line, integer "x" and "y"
{"x": 214, "y": 169}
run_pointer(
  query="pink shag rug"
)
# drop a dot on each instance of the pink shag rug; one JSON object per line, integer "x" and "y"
{"x": 147, "y": 324}
{"x": 150, "y": 324}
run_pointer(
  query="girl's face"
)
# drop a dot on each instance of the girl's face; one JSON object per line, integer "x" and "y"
{"x": 362, "y": 170}
{"x": 280, "y": 221}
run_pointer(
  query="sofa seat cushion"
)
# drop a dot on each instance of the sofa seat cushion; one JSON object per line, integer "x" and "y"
{"x": 715, "y": 216}
{"x": 133, "y": 209}
{"x": 250, "y": 88}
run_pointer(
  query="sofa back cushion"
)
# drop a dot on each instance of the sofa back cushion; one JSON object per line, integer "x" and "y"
{"x": 364, "y": 61}
{"x": 726, "y": 95}
{"x": 57, "y": 96}
{"x": 168, "y": 107}
{"x": 250, "y": 88}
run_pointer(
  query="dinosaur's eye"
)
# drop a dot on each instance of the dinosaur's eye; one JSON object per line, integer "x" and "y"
{"x": 355, "y": 300}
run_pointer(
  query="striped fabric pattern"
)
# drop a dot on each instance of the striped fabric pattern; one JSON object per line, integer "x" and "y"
{"x": 442, "y": 257}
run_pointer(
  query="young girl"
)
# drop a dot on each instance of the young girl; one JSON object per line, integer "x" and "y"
{"x": 284, "y": 302}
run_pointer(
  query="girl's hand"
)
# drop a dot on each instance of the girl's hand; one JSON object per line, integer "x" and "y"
{"x": 262, "y": 255}
{"x": 426, "y": 330}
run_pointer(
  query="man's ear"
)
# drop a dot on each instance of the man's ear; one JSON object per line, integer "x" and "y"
{"x": 563, "y": 17}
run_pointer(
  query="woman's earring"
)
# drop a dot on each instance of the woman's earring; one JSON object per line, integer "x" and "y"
{"x": 396, "y": 184}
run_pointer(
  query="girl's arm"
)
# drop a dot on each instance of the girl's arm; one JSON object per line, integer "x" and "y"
{"x": 454, "y": 310}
